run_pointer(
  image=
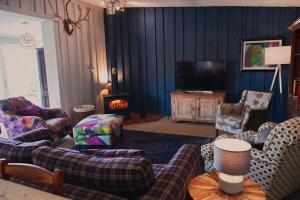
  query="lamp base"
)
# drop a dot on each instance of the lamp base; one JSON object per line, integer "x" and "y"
{"x": 230, "y": 184}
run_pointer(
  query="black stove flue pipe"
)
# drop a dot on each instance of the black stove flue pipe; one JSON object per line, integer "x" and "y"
{"x": 113, "y": 55}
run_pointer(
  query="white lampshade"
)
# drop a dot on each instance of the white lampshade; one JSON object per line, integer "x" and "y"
{"x": 232, "y": 156}
{"x": 278, "y": 55}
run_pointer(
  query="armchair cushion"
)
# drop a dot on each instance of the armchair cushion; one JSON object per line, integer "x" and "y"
{"x": 230, "y": 120}
{"x": 261, "y": 136}
{"x": 16, "y": 125}
{"x": 230, "y": 109}
{"x": 257, "y": 100}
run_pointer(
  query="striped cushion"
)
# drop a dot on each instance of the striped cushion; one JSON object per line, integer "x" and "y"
{"x": 129, "y": 177}
{"x": 19, "y": 152}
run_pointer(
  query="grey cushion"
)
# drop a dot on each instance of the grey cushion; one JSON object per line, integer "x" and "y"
{"x": 261, "y": 136}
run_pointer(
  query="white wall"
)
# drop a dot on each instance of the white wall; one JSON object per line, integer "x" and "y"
{"x": 75, "y": 54}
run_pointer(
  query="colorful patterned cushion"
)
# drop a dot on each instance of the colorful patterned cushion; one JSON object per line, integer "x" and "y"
{"x": 128, "y": 177}
{"x": 98, "y": 130}
{"x": 20, "y": 115}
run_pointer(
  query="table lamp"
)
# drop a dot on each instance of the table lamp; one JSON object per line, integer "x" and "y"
{"x": 232, "y": 160}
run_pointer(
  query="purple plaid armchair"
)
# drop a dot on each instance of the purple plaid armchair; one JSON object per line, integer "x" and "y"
{"x": 19, "y": 116}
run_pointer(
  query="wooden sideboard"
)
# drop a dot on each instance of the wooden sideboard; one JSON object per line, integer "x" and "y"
{"x": 196, "y": 107}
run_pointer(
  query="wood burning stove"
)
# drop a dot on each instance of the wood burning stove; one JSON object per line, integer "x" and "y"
{"x": 117, "y": 104}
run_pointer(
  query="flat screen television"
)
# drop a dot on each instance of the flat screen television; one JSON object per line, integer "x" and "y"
{"x": 202, "y": 75}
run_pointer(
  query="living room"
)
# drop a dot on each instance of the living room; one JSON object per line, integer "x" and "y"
{"x": 152, "y": 99}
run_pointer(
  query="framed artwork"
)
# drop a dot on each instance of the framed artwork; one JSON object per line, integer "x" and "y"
{"x": 253, "y": 53}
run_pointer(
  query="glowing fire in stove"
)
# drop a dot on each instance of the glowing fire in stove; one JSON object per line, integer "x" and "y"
{"x": 118, "y": 104}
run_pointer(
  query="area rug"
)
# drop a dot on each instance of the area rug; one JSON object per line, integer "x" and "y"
{"x": 165, "y": 125}
{"x": 159, "y": 147}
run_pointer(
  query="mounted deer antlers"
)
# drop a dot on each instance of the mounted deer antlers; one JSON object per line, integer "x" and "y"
{"x": 69, "y": 24}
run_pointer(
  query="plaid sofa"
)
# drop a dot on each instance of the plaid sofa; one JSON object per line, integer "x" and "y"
{"x": 120, "y": 174}
{"x": 19, "y": 152}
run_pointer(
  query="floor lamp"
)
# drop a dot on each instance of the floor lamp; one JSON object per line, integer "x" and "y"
{"x": 278, "y": 56}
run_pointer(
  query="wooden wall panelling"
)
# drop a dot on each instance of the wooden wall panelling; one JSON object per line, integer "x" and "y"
{"x": 100, "y": 41}
{"x": 135, "y": 92}
{"x": 217, "y": 34}
{"x": 159, "y": 29}
{"x": 79, "y": 51}
{"x": 27, "y": 5}
{"x": 200, "y": 34}
{"x": 151, "y": 59}
{"x": 40, "y": 6}
{"x": 125, "y": 52}
{"x": 222, "y": 34}
{"x": 189, "y": 34}
{"x": 211, "y": 33}
{"x": 14, "y": 3}
{"x": 142, "y": 64}
{"x": 86, "y": 73}
{"x": 179, "y": 48}
{"x": 93, "y": 53}
{"x": 169, "y": 48}
{"x": 4, "y": 2}
{"x": 119, "y": 47}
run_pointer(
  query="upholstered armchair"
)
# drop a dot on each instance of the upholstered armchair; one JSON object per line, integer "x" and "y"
{"x": 19, "y": 116}
{"x": 248, "y": 114}
{"x": 276, "y": 166}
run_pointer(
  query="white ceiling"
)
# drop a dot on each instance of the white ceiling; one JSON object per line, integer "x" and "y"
{"x": 199, "y": 3}
{"x": 12, "y": 27}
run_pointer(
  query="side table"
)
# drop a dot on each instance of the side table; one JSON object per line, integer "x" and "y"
{"x": 206, "y": 187}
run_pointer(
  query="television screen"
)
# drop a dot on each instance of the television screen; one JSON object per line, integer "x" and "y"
{"x": 203, "y": 75}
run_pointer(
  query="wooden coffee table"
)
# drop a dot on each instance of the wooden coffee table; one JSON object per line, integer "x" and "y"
{"x": 205, "y": 187}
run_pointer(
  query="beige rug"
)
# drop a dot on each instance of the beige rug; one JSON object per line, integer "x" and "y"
{"x": 165, "y": 125}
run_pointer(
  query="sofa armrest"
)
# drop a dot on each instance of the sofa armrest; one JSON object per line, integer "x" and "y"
{"x": 230, "y": 109}
{"x": 35, "y": 135}
{"x": 49, "y": 113}
{"x": 173, "y": 181}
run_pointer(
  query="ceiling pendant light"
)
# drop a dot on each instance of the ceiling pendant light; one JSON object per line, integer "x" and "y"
{"x": 26, "y": 38}
{"x": 113, "y": 6}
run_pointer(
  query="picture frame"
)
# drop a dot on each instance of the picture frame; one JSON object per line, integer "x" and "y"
{"x": 252, "y": 58}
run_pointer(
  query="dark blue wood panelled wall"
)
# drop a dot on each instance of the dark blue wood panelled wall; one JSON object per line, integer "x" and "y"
{"x": 149, "y": 42}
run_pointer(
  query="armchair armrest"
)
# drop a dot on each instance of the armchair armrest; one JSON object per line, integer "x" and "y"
{"x": 230, "y": 109}
{"x": 261, "y": 156}
{"x": 35, "y": 135}
{"x": 49, "y": 113}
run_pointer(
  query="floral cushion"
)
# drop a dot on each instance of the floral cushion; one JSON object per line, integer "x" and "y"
{"x": 233, "y": 121}
{"x": 257, "y": 100}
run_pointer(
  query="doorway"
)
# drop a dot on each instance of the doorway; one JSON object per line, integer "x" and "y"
{"x": 22, "y": 59}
